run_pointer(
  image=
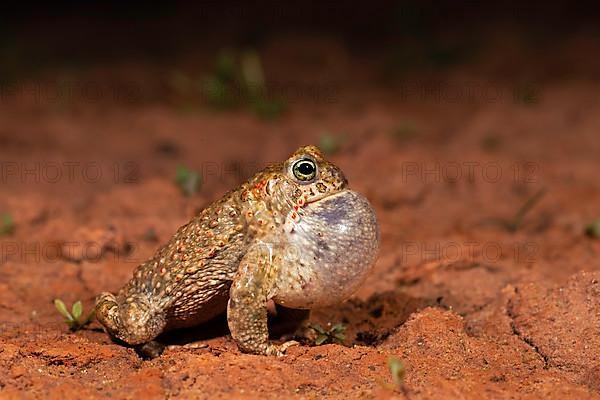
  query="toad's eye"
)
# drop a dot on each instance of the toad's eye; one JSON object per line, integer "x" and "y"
{"x": 304, "y": 170}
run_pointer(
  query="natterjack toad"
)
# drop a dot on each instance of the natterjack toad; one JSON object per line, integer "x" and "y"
{"x": 294, "y": 233}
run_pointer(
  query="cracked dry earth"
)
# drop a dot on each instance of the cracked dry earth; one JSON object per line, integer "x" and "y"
{"x": 472, "y": 309}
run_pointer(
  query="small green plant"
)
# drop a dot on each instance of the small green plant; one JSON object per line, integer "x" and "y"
{"x": 215, "y": 91}
{"x": 329, "y": 144}
{"x": 264, "y": 106}
{"x": 515, "y": 223}
{"x": 490, "y": 143}
{"x": 219, "y": 88}
{"x": 527, "y": 93}
{"x": 183, "y": 86}
{"x": 7, "y": 225}
{"x": 335, "y": 334}
{"x": 150, "y": 235}
{"x": 187, "y": 180}
{"x": 225, "y": 64}
{"x": 593, "y": 229}
{"x": 181, "y": 83}
{"x": 405, "y": 131}
{"x": 397, "y": 370}
{"x": 268, "y": 109}
{"x": 73, "y": 318}
{"x": 238, "y": 80}
{"x": 251, "y": 68}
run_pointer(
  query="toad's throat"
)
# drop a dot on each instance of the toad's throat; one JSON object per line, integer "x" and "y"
{"x": 337, "y": 238}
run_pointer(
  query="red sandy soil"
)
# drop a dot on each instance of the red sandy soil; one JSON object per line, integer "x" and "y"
{"x": 520, "y": 319}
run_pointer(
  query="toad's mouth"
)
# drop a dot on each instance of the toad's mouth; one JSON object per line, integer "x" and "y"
{"x": 317, "y": 200}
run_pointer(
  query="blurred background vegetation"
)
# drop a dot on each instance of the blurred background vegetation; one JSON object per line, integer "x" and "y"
{"x": 205, "y": 40}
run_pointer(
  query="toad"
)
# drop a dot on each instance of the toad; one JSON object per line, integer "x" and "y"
{"x": 294, "y": 234}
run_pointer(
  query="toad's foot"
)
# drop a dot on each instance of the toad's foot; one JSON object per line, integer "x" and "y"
{"x": 280, "y": 349}
{"x": 154, "y": 349}
{"x": 133, "y": 321}
{"x": 188, "y": 346}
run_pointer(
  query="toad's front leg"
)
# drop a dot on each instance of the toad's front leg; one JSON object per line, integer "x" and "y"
{"x": 253, "y": 286}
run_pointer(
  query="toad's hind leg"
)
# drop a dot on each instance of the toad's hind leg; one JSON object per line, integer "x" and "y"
{"x": 134, "y": 321}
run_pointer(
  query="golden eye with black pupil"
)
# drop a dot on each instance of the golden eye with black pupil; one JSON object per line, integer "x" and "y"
{"x": 304, "y": 170}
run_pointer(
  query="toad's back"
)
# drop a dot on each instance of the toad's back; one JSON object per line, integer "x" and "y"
{"x": 187, "y": 281}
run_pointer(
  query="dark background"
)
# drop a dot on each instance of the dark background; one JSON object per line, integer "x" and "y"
{"x": 39, "y": 35}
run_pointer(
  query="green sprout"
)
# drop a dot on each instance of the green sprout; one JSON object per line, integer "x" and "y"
{"x": 187, "y": 180}
{"x": 7, "y": 225}
{"x": 490, "y": 143}
{"x": 515, "y": 223}
{"x": 73, "y": 318}
{"x": 225, "y": 65}
{"x": 593, "y": 229}
{"x": 405, "y": 131}
{"x": 397, "y": 370}
{"x": 329, "y": 143}
{"x": 253, "y": 75}
{"x": 215, "y": 91}
{"x": 215, "y": 87}
{"x": 240, "y": 72}
{"x": 526, "y": 94}
{"x": 150, "y": 235}
{"x": 251, "y": 67}
{"x": 335, "y": 334}
{"x": 181, "y": 83}
{"x": 268, "y": 109}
